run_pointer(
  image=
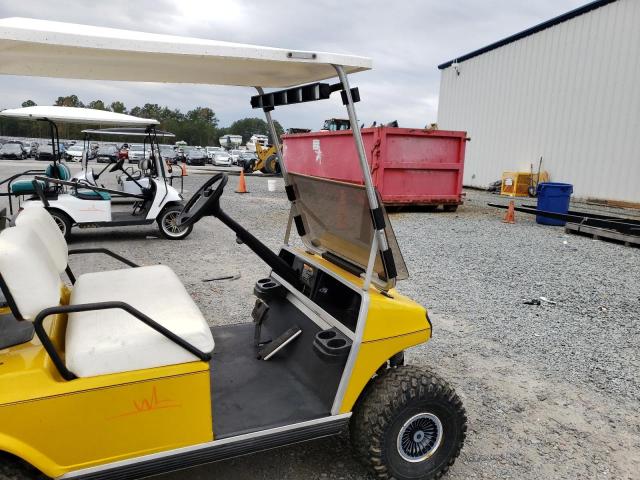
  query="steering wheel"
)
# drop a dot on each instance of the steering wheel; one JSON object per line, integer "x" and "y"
{"x": 117, "y": 166}
{"x": 206, "y": 201}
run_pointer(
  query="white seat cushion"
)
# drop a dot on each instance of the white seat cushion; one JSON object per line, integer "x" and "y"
{"x": 110, "y": 341}
{"x": 29, "y": 273}
{"x": 44, "y": 226}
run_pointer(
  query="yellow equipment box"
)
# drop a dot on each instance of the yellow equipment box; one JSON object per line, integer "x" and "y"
{"x": 516, "y": 184}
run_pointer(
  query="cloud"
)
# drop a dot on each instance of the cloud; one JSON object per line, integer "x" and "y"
{"x": 406, "y": 39}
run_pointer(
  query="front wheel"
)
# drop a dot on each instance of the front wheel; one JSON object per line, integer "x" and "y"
{"x": 167, "y": 223}
{"x": 411, "y": 425}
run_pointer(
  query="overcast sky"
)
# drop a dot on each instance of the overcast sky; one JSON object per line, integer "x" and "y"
{"x": 407, "y": 40}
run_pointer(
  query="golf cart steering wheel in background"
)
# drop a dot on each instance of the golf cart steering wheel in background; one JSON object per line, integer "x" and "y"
{"x": 206, "y": 201}
{"x": 117, "y": 166}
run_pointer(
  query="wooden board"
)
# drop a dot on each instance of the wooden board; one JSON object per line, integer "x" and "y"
{"x": 602, "y": 233}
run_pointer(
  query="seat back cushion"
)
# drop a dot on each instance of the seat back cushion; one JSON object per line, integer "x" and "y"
{"x": 61, "y": 171}
{"x": 37, "y": 219}
{"x": 144, "y": 164}
{"x": 65, "y": 173}
{"x": 29, "y": 273}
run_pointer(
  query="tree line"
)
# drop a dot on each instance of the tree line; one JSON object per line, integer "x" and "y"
{"x": 199, "y": 126}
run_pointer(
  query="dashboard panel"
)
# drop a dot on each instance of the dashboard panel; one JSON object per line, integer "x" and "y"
{"x": 330, "y": 294}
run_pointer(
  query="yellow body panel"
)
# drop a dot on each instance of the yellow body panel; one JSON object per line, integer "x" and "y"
{"x": 370, "y": 357}
{"x": 59, "y": 425}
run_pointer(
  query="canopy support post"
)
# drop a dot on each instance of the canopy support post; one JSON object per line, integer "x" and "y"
{"x": 376, "y": 213}
{"x": 283, "y": 169}
{"x": 276, "y": 140}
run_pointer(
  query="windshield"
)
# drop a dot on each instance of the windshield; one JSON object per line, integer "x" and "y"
{"x": 195, "y": 154}
{"x": 337, "y": 221}
{"x": 75, "y": 148}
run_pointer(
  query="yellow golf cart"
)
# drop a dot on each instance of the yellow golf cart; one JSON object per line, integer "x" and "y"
{"x": 117, "y": 375}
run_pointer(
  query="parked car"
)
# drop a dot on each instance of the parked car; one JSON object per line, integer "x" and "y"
{"x": 13, "y": 150}
{"x": 74, "y": 153}
{"x": 33, "y": 149}
{"x": 137, "y": 152}
{"x": 45, "y": 152}
{"x": 93, "y": 151}
{"x": 247, "y": 159}
{"x": 235, "y": 155}
{"x": 168, "y": 153}
{"x": 181, "y": 155}
{"x": 211, "y": 150}
{"x": 196, "y": 156}
{"x": 107, "y": 154}
{"x": 222, "y": 159}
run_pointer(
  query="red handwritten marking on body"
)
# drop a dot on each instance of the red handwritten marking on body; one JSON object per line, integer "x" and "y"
{"x": 149, "y": 405}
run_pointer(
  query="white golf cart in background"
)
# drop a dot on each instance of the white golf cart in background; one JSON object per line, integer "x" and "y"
{"x": 132, "y": 179}
{"x": 82, "y": 202}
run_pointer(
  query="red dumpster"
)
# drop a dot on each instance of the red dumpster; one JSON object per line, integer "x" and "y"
{"x": 409, "y": 166}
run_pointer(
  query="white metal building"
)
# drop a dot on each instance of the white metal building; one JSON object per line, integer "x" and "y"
{"x": 567, "y": 90}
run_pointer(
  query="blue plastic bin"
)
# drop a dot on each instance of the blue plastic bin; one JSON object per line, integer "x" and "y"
{"x": 553, "y": 197}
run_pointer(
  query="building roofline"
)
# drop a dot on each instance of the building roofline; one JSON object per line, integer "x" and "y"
{"x": 530, "y": 31}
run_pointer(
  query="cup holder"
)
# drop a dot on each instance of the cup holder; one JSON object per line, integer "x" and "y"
{"x": 336, "y": 343}
{"x": 332, "y": 345}
{"x": 326, "y": 334}
{"x": 268, "y": 288}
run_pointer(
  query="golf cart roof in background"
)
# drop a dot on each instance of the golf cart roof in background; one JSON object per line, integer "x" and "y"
{"x": 76, "y": 115}
{"x": 132, "y": 132}
{"x": 65, "y": 50}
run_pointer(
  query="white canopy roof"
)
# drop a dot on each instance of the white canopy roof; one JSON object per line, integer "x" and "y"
{"x": 66, "y": 50}
{"x": 87, "y": 116}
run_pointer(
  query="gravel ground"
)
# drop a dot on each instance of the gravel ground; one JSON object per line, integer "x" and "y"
{"x": 552, "y": 391}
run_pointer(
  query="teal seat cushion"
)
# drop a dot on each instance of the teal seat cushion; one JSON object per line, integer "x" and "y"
{"x": 63, "y": 171}
{"x": 24, "y": 187}
{"x": 91, "y": 194}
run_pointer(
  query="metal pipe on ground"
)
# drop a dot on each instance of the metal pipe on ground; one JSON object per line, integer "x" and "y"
{"x": 612, "y": 223}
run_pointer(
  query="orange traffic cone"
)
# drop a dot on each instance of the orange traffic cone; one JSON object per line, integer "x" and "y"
{"x": 510, "y": 217}
{"x": 242, "y": 184}
{"x": 184, "y": 170}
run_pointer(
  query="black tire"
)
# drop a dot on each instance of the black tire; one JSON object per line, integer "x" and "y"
{"x": 398, "y": 402}
{"x": 450, "y": 208}
{"x": 166, "y": 224}
{"x": 63, "y": 221}
{"x": 271, "y": 165}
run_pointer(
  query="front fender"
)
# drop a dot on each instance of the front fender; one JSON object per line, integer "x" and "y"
{"x": 371, "y": 356}
{"x": 28, "y": 454}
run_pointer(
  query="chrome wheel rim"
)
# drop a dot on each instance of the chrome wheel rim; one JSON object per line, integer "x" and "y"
{"x": 419, "y": 437}
{"x": 61, "y": 224}
{"x": 170, "y": 224}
